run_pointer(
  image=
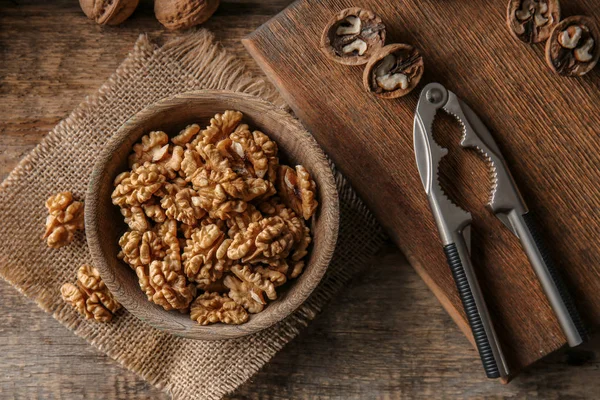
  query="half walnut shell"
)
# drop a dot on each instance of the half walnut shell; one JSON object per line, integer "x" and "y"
{"x": 393, "y": 71}
{"x": 573, "y": 48}
{"x": 531, "y": 21}
{"x": 352, "y": 36}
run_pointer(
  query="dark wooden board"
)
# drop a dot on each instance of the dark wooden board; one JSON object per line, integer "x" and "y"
{"x": 546, "y": 125}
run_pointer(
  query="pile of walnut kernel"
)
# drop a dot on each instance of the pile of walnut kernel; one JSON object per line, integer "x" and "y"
{"x": 212, "y": 211}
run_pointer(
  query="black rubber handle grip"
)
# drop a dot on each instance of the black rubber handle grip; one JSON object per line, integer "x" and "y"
{"x": 555, "y": 275}
{"x": 466, "y": 295}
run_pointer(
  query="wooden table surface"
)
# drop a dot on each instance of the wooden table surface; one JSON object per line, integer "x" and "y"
{"x": 385, "y": 336}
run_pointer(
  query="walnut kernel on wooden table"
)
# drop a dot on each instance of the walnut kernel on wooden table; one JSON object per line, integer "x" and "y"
{"x": 532, "y": 21}
{"x": 216, "y": 224}
{"x": 89, "y": 295}
{"x": 573, "y": 49}
{"x": 352, "y": 36}
{"x": 65, "y": 217}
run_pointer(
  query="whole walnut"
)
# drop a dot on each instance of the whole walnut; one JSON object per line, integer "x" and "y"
{"x": 183, "y": 14}
{"x": 108, "y": 12}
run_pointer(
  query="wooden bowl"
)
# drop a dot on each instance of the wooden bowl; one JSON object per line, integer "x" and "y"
{"x": 104, "y": 223}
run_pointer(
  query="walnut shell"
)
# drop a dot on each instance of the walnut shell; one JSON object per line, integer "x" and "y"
{"x": 183, "y": 14}
{"x": 352, "y": 36}
{"x": 573, "y": 48}
{"x": 108, "y": 12}
{"x": 531, "y": 21}
{"x": 393, "y": 71}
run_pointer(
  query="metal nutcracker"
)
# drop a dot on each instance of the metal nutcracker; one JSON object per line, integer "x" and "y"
{"x": 454, "y": 225}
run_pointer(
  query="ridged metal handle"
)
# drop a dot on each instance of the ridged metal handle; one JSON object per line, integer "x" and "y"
{"x": 473, "y": 314}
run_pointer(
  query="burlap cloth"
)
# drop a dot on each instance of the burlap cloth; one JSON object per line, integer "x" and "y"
{"x": 184, "y": 368}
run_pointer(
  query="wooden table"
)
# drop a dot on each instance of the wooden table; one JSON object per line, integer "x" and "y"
{"x": 385, "y": 336}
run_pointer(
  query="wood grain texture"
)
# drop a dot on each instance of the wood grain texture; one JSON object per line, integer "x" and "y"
{"x": 384, "y": 337}
{"x": 171, "y": 115}
{"x": 546, "y": 126}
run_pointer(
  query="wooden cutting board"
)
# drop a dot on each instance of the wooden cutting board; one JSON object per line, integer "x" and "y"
{"x": 546, "y": 125}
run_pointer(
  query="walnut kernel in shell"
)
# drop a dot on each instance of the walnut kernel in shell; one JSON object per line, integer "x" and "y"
{"x": 394, "y": 71}
{"x": 532, "y": 21}
{"x": 352, "y": 36}
{"x": 573, "y": 48}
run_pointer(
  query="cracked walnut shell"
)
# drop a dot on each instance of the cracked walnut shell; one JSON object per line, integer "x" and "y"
{"x": 352, "y": 36}
{"x": 89, "y": 296}
{"x": 210, "y": 308}
{"x": 393, "y": 71}
{"x": 532, "y": 21}
{"x": 573, "y": 48}
{"x": 65, "y": 217}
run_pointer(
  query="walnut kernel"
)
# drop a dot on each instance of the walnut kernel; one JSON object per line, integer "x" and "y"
{"x": 90, "y": 296}
{"x": 251, "y": 286}
{"x": 205, "y": 254}
{"x": 297, "y": 190}
{"x": 209, "y": 308}
{"x": 136, "y": 187}
{"x": 152, "y": 148}
{"x": 65, "y": 217}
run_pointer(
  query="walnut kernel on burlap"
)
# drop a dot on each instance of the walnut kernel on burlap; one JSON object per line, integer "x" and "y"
{"x": 185, "y": 368}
